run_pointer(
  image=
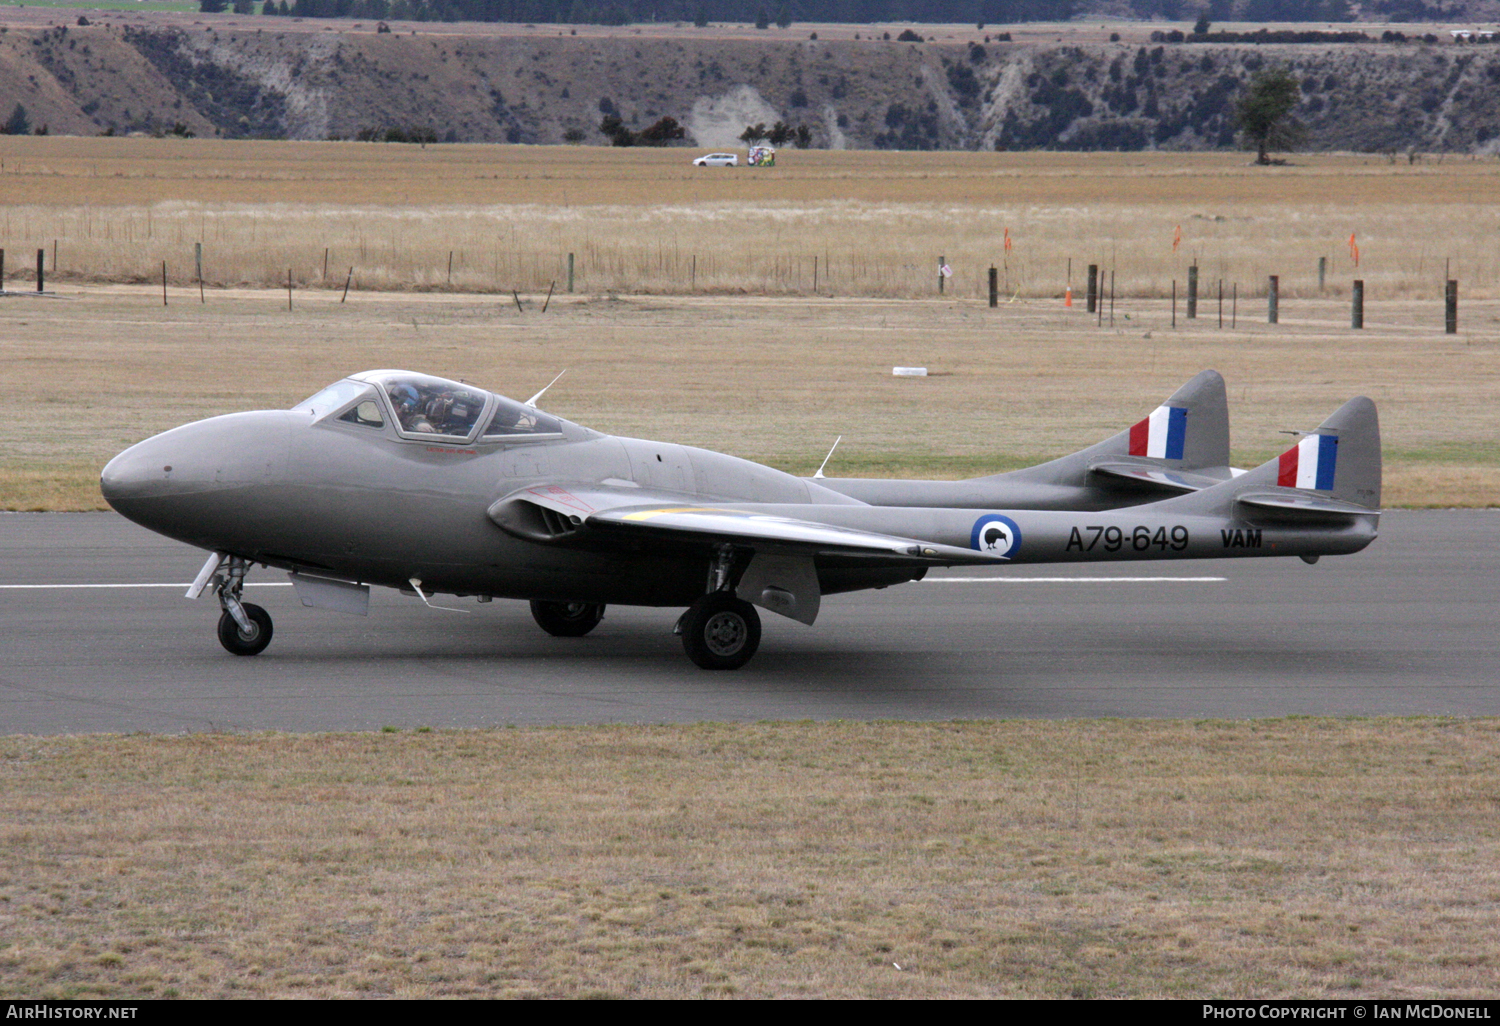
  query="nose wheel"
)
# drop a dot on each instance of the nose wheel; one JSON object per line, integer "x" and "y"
{"x": 244, "y": 628}
{"x": 241, "y": 642}
{"x": 720, "y": 632}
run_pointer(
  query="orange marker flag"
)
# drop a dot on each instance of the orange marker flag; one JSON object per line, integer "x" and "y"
{"x": 1007, "y": 240}
{"x": 1176, "y": 238}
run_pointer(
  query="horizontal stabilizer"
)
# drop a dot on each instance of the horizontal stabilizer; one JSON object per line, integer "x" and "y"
{"x": 1142, "y": 475}
{"x": 1295, "y": 505}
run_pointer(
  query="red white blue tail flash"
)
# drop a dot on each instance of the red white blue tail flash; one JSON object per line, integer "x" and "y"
{"x": 1310, "y": 464}
{"x": 1160, "y": 436}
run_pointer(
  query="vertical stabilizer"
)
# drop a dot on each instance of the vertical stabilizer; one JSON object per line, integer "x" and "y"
{"x": 1188, "y": 431}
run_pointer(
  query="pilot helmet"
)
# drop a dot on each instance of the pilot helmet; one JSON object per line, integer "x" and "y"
{"x": 404, "y": 397}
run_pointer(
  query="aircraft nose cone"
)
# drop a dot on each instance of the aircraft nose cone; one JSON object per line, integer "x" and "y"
{"x": 138, "y": 471}
{"x": 172, "y": 482}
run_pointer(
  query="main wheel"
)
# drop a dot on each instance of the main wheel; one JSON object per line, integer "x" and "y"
{"x": 237, "y": 641}
{"x": 721, "y": 632}
{"x": 566, "y": 619}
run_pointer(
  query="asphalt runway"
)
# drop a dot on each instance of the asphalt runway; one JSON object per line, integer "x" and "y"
{"x": 1409, "y": 626}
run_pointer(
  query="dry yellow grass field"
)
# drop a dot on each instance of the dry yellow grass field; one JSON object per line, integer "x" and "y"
{"x": 1296, "y": 858}
{"x": 644, "y": 221}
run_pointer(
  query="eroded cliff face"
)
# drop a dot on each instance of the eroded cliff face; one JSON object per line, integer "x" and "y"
{"x": 310, "y": 81}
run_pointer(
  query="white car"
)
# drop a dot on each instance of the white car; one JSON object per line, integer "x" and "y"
{"x": 718, "y": 160}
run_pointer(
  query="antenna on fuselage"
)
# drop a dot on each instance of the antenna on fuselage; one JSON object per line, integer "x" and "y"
{"x": 532, "y": 401}
{"x": 819, "y": 474}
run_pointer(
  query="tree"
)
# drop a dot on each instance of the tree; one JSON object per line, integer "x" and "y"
{"x": 753, "y": 133}
{"x": 663, "y": 132}
{"x": 18, "y": 123}
{"x": 615, "y": 129}
{"x": 1264, "y": 113}
{"x": 1201, "y": 26}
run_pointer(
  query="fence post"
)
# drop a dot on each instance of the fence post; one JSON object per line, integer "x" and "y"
{"x": 1322, "y": 271}
{"x": 941, "y": 264}
{"x": 1192, "y": 296}
{"x": 1174, "y": 302}
{"x": 1093, "y": 286}
{"x": 41, "y": 256}
{"x": 1357, "y": 307}
{"x": 1450, "y": 307}
{"x": 570, "y": 270}
{"x": 1273, "y": 300}
{"x": 994, "y": 287}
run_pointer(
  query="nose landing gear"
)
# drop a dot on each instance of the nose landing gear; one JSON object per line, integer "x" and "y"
{"x": 244, "y": 627}
{"x": 240, "y": 641}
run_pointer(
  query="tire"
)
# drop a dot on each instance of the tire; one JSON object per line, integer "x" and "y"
{"x": 721, "y": 632}
{"x": 236, "y": 641}
{"x": 566, "y": 619}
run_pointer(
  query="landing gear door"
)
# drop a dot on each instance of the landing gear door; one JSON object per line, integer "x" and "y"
{"x": 784, "y": 584}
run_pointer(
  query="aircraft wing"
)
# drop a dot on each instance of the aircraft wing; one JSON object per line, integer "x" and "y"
{"x": 719, "y": 523}
{"x": 557, "y": 512}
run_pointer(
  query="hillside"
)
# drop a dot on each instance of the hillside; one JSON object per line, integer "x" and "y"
{"x": 1050, "y": 87}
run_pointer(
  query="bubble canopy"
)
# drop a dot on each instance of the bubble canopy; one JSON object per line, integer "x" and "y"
{"x": 424, "y": 407}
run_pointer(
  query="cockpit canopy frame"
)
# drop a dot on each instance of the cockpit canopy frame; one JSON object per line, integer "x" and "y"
{"x": 424, "y": 408}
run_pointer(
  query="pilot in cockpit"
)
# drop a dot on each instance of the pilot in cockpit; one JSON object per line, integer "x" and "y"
{"x": 407, "y": 402}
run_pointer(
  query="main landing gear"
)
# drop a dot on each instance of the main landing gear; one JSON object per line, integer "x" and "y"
{"x": 244, "y": 627}
{"x": 720, "y": 631}
{"x": 566, "y": 619}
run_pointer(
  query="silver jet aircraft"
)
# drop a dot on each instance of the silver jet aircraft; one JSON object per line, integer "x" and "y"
{"x": 432, "y": 486}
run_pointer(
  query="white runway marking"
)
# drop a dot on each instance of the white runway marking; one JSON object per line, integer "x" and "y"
{"x": 184, "y": 586}
{"x": 1064, "y": 580}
